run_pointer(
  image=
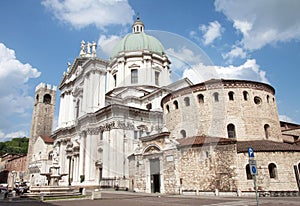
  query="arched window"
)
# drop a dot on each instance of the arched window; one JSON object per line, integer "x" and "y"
{"x": 101, "y": 135}
{"x": 134, "y": 76}
{"x": 231, "y": 131}
{"x": 257, "y": 100}
{"x": 272, "y": 171}
{"x": 187, "y": 101}
{"x": 183, "y": 133}
{"x": 216, "y": 96}
{"x": 248, "y": 173}
{"x": 156, "y": 78}
{"x": 200, "y": 98}
{"x": 37, "y": 97}
{"x": 47, "y": 99}
{"x": 149, "y": 106}
{"x": 50, "y": 155}
{"x": 167, "y": 108}
{"x": 231, "y": 96}
{"x": 268, "y": 98}
{"x": 115, "y": 79}
{"x": 175, "y": 104}
{"x": 246, "y": 95}
{"x": 267, "y": 130}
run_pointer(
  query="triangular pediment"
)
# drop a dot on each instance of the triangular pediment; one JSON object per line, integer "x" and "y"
{"x": 134, "y": 66}
{"x": 179, "y": 84}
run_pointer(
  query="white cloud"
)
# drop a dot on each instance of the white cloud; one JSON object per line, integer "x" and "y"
{"x": 263, "y": 22}
{"x": 247, "y": 71}
{"x": 100, "y": 13}
{"x": 242, "y": 26}
{"x": 235, "y": 52}
{"x": 185, "y": 58}
{"x": 184, "y": 54}
{"x": 107, "y": 43}
{"x": 211, "y": 32}
{"x": 285, "y": 118}
{"x": 14, "y": 76}
{"x": 6, "y": 137}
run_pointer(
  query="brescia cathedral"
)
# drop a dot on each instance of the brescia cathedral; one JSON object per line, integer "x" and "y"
{"x": 123, "y": 123}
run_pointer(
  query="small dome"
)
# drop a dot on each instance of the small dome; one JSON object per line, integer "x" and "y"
{"x": 138, "y": 41}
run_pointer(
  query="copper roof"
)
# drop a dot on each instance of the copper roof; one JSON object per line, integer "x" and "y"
{"x": 47, "y": 139}
{"x": 202, "y": 140}
{"x": 266, "y": 146}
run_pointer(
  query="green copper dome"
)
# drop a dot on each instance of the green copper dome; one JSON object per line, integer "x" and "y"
{"x": 137, "y": 41}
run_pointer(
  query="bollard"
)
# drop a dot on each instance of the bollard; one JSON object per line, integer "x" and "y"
{"x": 83, "y": 191}
{"x": 96, "y": 194}
{"x": 41, "y": 197}
{"x": 216, "y": 192}
{"x": 13, "y": 193}
{"x": 239, "y": 193}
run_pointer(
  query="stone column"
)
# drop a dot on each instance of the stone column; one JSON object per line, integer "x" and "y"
{"x": 147, "y": 176}
{"x": 75, "y": 170}
{"x": 105, "y": 160}
{"x": 61, "y": 109}
{"x": 93, "y": 153}
{"x": 88, "y": 158}
{"x": 71, "y": 109}
{"x": 67, "y": 108}
{"x": 85, "y": 97}
{"x": 96, "y": 91}
{"x": 90, "y": 93}
{"x": 101, "y": 98}
{"x": 82, "y": 155}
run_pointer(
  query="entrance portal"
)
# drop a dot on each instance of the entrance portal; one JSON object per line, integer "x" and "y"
{"x": 155, "y": 175}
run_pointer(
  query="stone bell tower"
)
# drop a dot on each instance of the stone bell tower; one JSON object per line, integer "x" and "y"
{"x": 42, "y": 116}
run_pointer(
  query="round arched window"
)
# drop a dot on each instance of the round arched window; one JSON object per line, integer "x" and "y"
{"x": 257, "y": 100}
{"x": 47, "y": 99}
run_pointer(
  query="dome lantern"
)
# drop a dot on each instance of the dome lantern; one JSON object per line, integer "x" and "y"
{"x": 138, "y": 26}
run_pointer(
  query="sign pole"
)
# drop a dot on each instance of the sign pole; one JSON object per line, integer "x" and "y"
{"x": 253, "y": 170}
{"x": 255, "y": 187}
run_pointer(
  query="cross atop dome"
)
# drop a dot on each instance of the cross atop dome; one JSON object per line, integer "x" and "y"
{"x": 138, "y": 25}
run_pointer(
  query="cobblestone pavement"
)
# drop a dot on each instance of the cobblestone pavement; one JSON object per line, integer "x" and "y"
{"x": 134, "y": 199}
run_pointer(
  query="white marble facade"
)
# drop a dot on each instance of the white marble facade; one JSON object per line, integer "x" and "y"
{"x": 105, "y": 106}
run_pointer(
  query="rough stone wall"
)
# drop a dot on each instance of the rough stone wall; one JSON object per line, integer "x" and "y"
{"x": 137, "y": 174}
{"x": 211, "y": 118}
{"x": 171, "y": 171}
{"x": 284, "y": 161}
{"x": 199, "y": 168}
{"x": 208, "y": 168}
{"x": 42, "y": 117}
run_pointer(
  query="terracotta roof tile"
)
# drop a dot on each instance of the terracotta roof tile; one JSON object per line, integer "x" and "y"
{"x": 47, "y": 139}
{"x": 202, "y": 140}
{"x": 266, "y": 146}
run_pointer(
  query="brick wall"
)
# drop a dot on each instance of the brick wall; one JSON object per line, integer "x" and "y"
{"x": 16, "y": 163}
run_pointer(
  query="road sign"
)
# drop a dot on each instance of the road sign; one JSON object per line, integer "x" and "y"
{"x": 251, "y": 152}
{"x": 252, "y": 162}
{"x": 253, "y": 168}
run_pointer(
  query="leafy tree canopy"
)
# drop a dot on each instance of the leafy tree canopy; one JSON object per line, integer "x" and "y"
{"x": 14, "y": 146}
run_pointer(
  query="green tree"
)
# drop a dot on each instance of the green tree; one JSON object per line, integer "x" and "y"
{"x": 14, "y": 146}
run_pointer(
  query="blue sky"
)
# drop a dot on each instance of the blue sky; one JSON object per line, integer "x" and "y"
{"x": 256, "y": 40}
